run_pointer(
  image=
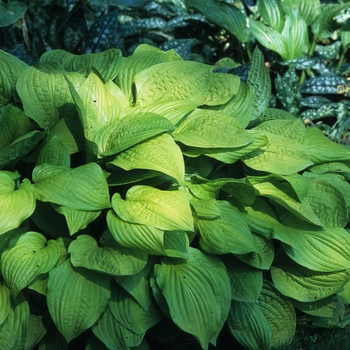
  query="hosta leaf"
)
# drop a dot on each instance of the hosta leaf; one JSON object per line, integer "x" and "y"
{"x": 107, "y": 63}
{"x": 259, "y": 80}
{"x": 166, "y": 210}
{"x": 43, "y": 91}
{"x": 82, "y": 188}
{"x": 5, "y": 306}
{"x": 130, "y": 314}
{"x": 143, "y": 57}
{"x": 16, "y": 205}
{"x": 272, "y": 13}
{"x": 246, "y": 281}
{"x": 13, "y": 330}
{"x": 27, "y": 257}
{"x": 279, "y": 313}
{"x": 198, "y": 298}
{"x": 54, "y": 153}
{"x": 318, "y": 249}
{"x": 248, "y": 325}
{"x": 281, "y": 155}
{"x": 305, "y": 285}
{"x": 37, "y": 328}
{"x": 308, "y": 10}
{"x": 76, "y": 219}
{"x": 111, "y": 259}
{"x": 268, "y": 37}
{"x": 221, "y": 236}
{"x": 11, "y": 12}
{"x": 206, "y": 129}
{"x": 113, "y": 334}
{"x": 206, "y": 209}
{"x": 12, "y": 67}
{"x": 186, "y": 80}
{"x": 159, "y": 153}
{"x": 321, "y": 149}
{"x": 76, "y": 298}
{"x": 53, "y": 339}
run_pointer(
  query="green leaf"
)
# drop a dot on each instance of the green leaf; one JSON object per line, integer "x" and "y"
{"x": 272, "y": 13}
{"x": 221, "y": 236}
{"x": 246, "y": 281}
{"x": 159, "y": 153}
{"x": 308, "y": 10}
{"x": 43, "y": 91}
{"x": 166, "y": 210}
{"x": 16, "y": 205}
{"x": 81, "y": 188}
{"x": 10, "y": 13}
{"x": 13, "y": 330}
{"x": 143, "y": 57}
{"x": 37, "y": 328}
{"x": 53, "y": 340}
{"x": 279, "y": 313}
{"x": 197, "y": 292}
{"x": 130, "y": 314}
{"x": 113, "y": 334}
{"x": 54, "y": 153}
{"x": 320, "y": 149}
{"x": 5, "y": 308}
{"x": 111, "y": 259}
{"x": 26, "y": 257}
{"x": 248, "y": 325}
{"x": 211, "y": 129}
{"x": 107, "y": 63}
{"x": 76, "y": 298}
{"x": 305, "y": 285}
{"x": 206, "y": 209}
{"x": 186, "y": 80}
{"x": 259, "y": 81}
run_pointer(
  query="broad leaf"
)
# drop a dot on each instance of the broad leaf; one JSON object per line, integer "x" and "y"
{"x": 82, "y": 188}
{"x": 76, "y": 298}
{"x": 159, "y": 153}
{"x": 27, "y": 257}
{"x": 111, "y": 259}
{"x": 10, "y": 13}
{"x": 166, "y": 210}
{"x": 197, "y": 292}
{"x": 272, "y": 13}
{"x": 16, "y": 205}
{"x": 54, "y": 153}
{"x": 5, "y": 308}
{"x": 308, "y": 10}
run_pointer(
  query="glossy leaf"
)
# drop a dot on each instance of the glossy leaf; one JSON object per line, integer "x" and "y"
{"x": 272, "y": 13}
{"x": 166, "y": 210}
{"x": 76, "y": 298}
{"x": 198, "y": 298}
{"x": 111, "y": 259}
{"x": 27, "y": 257}
{"x": 81, "y": 188}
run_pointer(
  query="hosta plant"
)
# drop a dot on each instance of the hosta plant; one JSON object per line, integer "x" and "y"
{"x": 144, "y": 194}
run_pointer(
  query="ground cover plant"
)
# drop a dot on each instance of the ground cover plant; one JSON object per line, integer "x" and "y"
{"x": 149, "y": 201}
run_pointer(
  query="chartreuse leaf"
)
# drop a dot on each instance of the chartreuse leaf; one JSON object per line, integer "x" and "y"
{"x": 207, "y": 129}
{"x": 272, "y": 13}
{"x": 259, "y": 80}
{"x": 186, "y": 80}
{"x": 43, "y": 90}
{"x": 228, "y": 233}
{"x": 197, "y": 292}
{"x": 113, "y": 334}
{"x": 142, "y": 58}
{"x": 26, "y": 257}
{"x": 248, "y": 325}
{"x": 13, "y": 330}
{"x": 111, "y": 259}
{"x": 324, "y": 249}
{"x": 16, "y": 205}
{"x": 320, "y": 149}
{"x": 14, "y": 124}
{"x": 300, "y": 283}
{"x": 81, "y": 188}
{"x": 107, "y": 63}
{"x": 5, "y": 305}
{"x": 279, "y": 313}
{"x": 130, "y": 314}
{"x": 76, "y": 297}
{"x": 246, "y": 281}
{"x": 165, "y": 210}
{"x": 11, "y": 68}
{"x": 160, "y": 153}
